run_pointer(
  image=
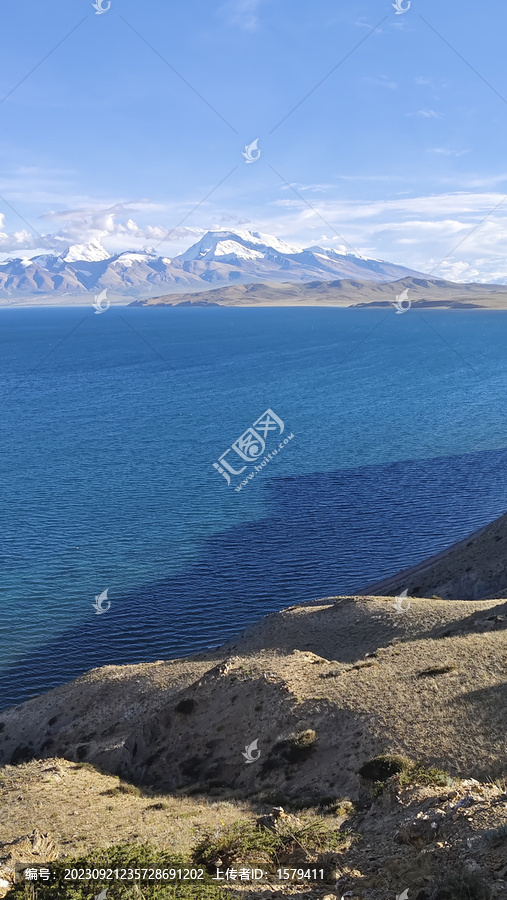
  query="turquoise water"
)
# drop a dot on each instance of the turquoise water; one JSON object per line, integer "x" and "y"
{"x": 110, "y": 426}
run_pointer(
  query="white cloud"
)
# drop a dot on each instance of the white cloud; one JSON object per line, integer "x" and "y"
{"x": 468, "y": 227}
{"x": 427, "y": 114}
{"x": 314, "y": 188}
{"x": 113, "y": 227}
{"x": 429, "y": 81}
{"x": 360, "y": 23}
{"x": 241, "y": 13}
{"x": 444, "y": 151}
{"x": 418, "y": 232}
{"x": 436, "y": 205}
{"x": 85, "y": 225}
{"x": 382, "y": 81}
{"x": 14, "y": 241}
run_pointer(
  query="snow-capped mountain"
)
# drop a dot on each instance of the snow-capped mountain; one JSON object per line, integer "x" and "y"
{"x": 219, "y": 258}
{"x": 237, "y": 245}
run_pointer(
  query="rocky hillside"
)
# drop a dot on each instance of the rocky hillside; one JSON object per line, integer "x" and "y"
{"x": 368, "y": 679}
{"x": 321, "y": 691}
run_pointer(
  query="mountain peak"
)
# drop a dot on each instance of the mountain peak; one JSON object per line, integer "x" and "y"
{"x": 92, "y": 252}
{"x": 242, "y": 244}
{"x": 331, "y": 253}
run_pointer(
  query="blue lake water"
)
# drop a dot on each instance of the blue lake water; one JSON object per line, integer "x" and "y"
{"x": 110, "y": 425}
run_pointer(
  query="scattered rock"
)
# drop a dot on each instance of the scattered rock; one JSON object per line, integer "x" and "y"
{"x": 273, "y": 819}
{"x": 30, "y": 849}
{"x": 421, "y": 831}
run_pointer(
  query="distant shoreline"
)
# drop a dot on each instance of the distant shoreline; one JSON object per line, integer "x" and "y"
{"x": 416, "y": 293}
{"x": 463, "y": 307}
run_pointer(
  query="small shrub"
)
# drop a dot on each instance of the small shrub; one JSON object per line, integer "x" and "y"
{"x": 313, "y": 801}
{"x": 186, "y": 706}
{"x": 416, "y": 773}
{"x": 340, "y": 808}
{"x": 240, "y": 841}
{"x": 437, "y": 670}
{"x": 122, "y": 788}
{"x": 294, "y": 749}
{"x": 291, "y": 842}
{"x": 382, "y": 767}
{"x": 333, "y": 673}
{"x": 300, "y": 747}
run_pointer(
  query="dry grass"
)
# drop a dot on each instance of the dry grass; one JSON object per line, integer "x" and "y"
{"x": 87, "y": 809}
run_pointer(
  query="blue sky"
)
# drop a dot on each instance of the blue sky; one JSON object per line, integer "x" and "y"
{"x": 399, "y": 153}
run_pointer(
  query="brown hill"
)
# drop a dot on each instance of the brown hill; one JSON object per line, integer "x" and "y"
{"x": 424, "y": 293}
{"x": 352, "y": 669}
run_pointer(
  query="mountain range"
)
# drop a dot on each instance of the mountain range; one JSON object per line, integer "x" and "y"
{"x": 219, "y": 258}
{"x": 422, "y": 292}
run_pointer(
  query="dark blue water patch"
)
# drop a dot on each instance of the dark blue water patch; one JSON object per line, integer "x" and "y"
{"x": 324, "y": 534}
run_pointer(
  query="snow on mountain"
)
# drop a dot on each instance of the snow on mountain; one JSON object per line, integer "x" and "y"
{"x": 271, "y": 241}
{"x": 50, "y": 261}
{"x": 219, "y": 258}
{"x": 92, "y": 252}
{"x": 329, "y": 253}
{"x": 131, "y": 258}
{"x": 243, "y": 244}
{"x": 232, "y": 248}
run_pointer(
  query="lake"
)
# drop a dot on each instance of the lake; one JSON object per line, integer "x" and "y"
{"x": 110, "y": 427}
